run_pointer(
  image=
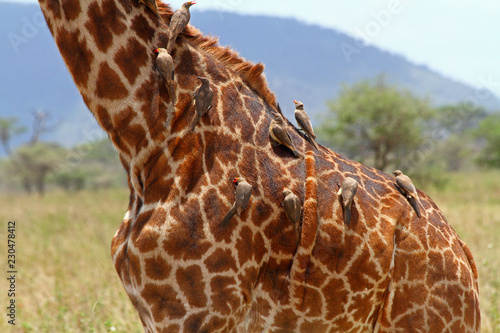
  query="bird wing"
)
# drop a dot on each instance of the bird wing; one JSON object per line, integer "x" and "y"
{"x": 349, "y": 188}
{"x": 164, "y": 65}
{"x": 281, "y": 135}
{"x": 243, "y": 193}
{"x": 304, "y": 122}
{"x": 204, "y": 99}
{"x": 179, "y": 21}
{"x": 405, "y": 183}
{"x": 289, "y": 207}
{"x": 297, "y": 207}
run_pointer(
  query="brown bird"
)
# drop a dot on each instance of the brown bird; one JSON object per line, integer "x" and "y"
{"x": 293, "y": 210}
{"x": 165, "y": 66}
{"x": 178, "y": 23}
{"x": 346, "y": 192}
{"x": 241, "y": 198}
{"x": 292, "y": 206}
{"x": 279, "y": 133}
{"x": 304, "y": 122}
{"x": 405, "y": 184}
{"x": 203, "y": 101}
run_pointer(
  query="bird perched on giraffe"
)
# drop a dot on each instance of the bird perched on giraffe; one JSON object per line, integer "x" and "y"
{"x": 279, "y": 133}
{"x": 304, "y": 122}
{"x": 242, "y": 195}
{"x": 203, "y": 98}
{"x": 165, "y": 66}
{"x": 347, "y": 192}
{"x": 406, "y": 185}
{"x": 178, "y": 23}
{"x": 293, "y": 209}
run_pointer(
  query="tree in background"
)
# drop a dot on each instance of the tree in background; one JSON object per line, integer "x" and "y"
{"x": 32, "y": 164}
{"x": 8, "y": 129}
{"x": 488, "y": 133}
{"x": 454, "y": 128}
{"x": 376, "y": 123}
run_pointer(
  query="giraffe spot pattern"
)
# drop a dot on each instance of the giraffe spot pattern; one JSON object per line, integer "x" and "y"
{"x": 214, "y": 207}
{"x": 224, "y": 296}
{"x": 192, "y": 165}
{"x": 76, "y": 54}
{"x": 187, "y": 240}
{"x": 145, "y": 240}
{"x": 135, "y": 268}
{"x": 193, "y": 323}
{"x": 126, "y": 58}
{"x": 71, "y": 9}
{"x": 157, "y": 268}
{"x": 153, "y": 111}
{"x": 168, "y": 329}
{"x": 164, "y": 301}
{"x": 221, "y": 261}
{"x": 109, "y": 85}
{"x": 105, "y": 22}
{"x": 159, "y": 186}
{"x": 190, "y": 281}
{"x": 142, "y": 28}
{"x": 54, "y": 6}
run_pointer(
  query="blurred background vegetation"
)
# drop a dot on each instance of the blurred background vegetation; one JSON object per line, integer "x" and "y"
{"x": 39, "y": 166}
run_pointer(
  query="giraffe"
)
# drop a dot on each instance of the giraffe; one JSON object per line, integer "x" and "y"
{"x": 388, "y": 271}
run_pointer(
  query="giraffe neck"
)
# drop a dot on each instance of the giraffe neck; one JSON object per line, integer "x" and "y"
{"x": 108, "y": 48}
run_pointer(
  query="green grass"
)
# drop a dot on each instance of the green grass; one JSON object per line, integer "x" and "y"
{"x": 67, "y": 283}
{"x": 66, "y": 280}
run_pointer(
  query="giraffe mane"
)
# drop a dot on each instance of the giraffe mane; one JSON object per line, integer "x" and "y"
{"x": 252, "y": 74}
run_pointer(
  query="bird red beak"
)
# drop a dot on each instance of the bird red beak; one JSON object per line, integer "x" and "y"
{"x": 192, "y": 3}
{"x": 295, "y": 101}
{"x": 235, "y": 180}
{"x": 156, "y": 51}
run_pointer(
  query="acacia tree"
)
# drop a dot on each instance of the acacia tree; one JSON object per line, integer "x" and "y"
{"x": 376, "y": 123}
{"x": 34, "y": 163}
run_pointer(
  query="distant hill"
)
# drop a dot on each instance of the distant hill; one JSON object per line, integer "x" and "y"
{"x": 303, "y": 62}
{"x": 307, "y": 62}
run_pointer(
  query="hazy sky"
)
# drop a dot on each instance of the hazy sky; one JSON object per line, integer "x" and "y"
{"x": 458, "y": 38}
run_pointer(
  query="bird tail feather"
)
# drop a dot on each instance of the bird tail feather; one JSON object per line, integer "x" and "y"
{"x": 347, "y": 215}
{"x": 314, "y": 143}
{"x": 171, "y": 92}
{"x": 195, "y": 121}
{"x": 229, "y": 216}
{"x": 414, "y": 204}
{"x": 170, "y": 44}
{"x": 296, "y": 153}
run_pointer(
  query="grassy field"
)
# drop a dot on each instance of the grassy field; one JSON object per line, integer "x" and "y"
{"x": 66, "y": 281}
